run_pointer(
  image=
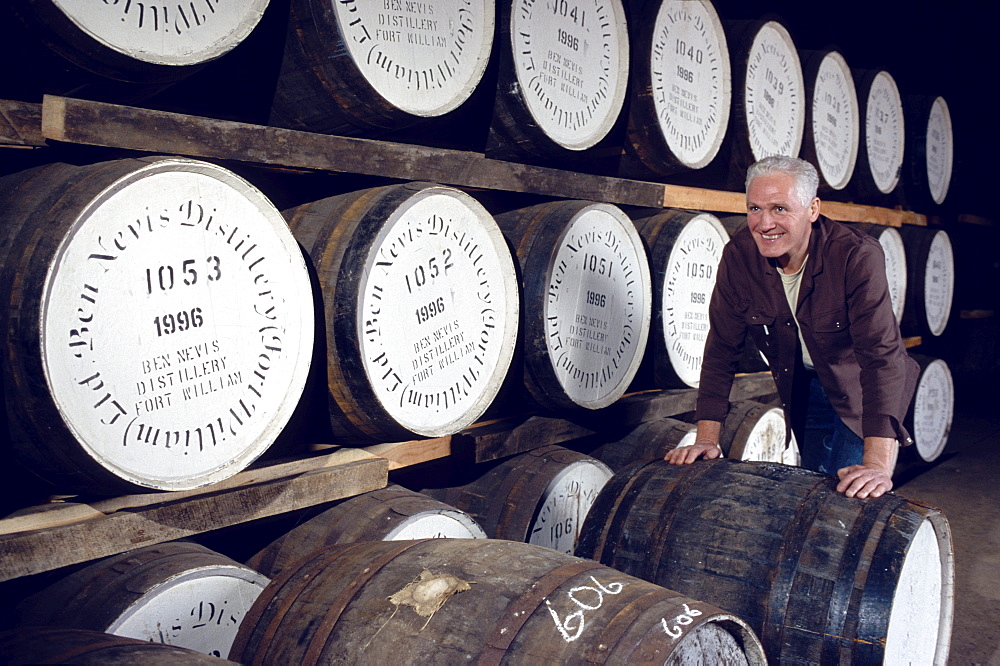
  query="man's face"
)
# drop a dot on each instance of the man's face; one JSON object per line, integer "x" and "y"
{"x": 780, "y": 224}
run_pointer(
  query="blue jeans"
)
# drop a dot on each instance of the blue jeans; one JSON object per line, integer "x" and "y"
{"x": 828, "y": 444}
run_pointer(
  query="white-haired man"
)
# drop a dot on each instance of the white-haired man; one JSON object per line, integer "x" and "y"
{"x": 813, "y": 294}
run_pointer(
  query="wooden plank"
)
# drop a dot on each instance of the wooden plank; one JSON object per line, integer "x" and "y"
{"x": 20, "y": 124}
{"x": 404, "y": 454}
{"x": 29, "y": 552}
{"x": 693, "y": 198}
{"x": 101, "y": 124}
{"x": 847, "y": 212}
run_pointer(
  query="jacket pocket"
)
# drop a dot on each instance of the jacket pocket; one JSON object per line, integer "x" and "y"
{"x": 832, "y": 334}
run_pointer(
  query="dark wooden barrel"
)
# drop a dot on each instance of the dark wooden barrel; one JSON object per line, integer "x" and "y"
{"x": 895, "y": 262}
{"x": 392, "y": 513}
{"x": 54, "y": 645}
{"x": 479, "y": 600}
{"x": 684, "y": 250}
{"x": 833, "y": 118}
{"x": 539, "y": 497}
{"x": 930, "y": 280}
{"x": 755, "y": 431}
{"x": 769, "y": 97}
{"x": 648, "y": 440}
{"x": 420, "y": 308}
{"x": 930, "y": 151}
{"x": 681, "y": 88}
{"x": 562, "y": 79}
{"x": 931, "y": 409}
{"x": 157, "y": 325}
{"x": 360, "y": 67}
{"x": 883, "y": 139}
{"x": 119, "y": 50}
{"x": 587, "y": 297}
{"x": 176, "y": 593}
{"x": 821, "y": 577}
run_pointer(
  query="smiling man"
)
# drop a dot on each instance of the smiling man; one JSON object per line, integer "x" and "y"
{"x": 813, "y": 294}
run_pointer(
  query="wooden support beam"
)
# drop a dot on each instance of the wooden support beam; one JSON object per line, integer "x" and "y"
{"x": 44, "y": 546}
{"x": 20, "y": 124}
{"x": 110, "y": 125}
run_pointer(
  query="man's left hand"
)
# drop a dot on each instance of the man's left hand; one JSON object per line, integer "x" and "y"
{"x": 864, "y": 481}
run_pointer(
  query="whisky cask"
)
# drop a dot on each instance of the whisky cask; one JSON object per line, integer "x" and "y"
{"x": 930, "y": 280}
{"x": 833, "y": 118}
{"x": 483, "y": 601}
{"x": 358, "y": 68}
{"x": 883, "y": 138}
{"x": 419, "y": 303}
{"x": 930, "y": 151}
{"x": 392, "y": 513}
{"x": 175, "y": 593}
{"x": 684, "y": 251}
{"x": 895, "y": 262}
{"x": 539, "y": 497}
{"x": 562, "y": 79}
{"x": 157, "y": 324}
{"x": 585, "y": 283}
{"x": 931, "y": 410}
{"x": 769, "y": 96}
{"x": 118, "y": 50}
{"x": 821, "y": 577}
{"x": 754, "y": 431}
{"x": 681, "y": 87}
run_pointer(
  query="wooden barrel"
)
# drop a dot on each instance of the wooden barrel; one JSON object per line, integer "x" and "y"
{"x": 895, "y": 262}
{"x": 685, "y": 249}
{"x": 754, "y": 431}
{"x": 482, "y": 600}
{"x": 126, "y": 50}
{"x": 587, "y": 298}
{"x": 392, "y": 513}
{"x": 175, "y": 593}
{"x": 931, "y": 409}
{"x": 420, "y": 304}
{"x": 53, "y": 645}
{"x": 538, "y": 497}
{"x": 357, "y": 67}
{"x": 882, "y": 145}
{"x": 648, "y": 440}
{"x": 833, "y": 118}
{"x": 930, "y": 280}
{"x": 681, "y": 87}
{"x": 157, "y": 325}
{"x": 563, "y": 75}
{"x": 821, "y": 577}
{"x": 930, "y": 151}
{"x": 769, "y": 97}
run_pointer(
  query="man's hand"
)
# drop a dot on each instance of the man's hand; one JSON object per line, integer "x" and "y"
{"x": 863, "y": 481}
{"x": 684, "y": 455}
{"x": 873, "y": 477}
{"x": 706, "y": 443}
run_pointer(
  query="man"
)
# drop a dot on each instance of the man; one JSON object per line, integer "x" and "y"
{"x": 843, "y": 375}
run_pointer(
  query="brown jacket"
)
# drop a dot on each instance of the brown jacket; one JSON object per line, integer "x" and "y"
{"x": 847, "y": 324}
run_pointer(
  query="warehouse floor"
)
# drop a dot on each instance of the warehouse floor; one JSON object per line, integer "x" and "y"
{"x": 965, "y": 484}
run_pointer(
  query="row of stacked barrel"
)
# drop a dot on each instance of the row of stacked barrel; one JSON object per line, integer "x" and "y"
{"x": 162, "y": 316}
{"x": 648, "y": 89}
{"x": 720, "y": 562}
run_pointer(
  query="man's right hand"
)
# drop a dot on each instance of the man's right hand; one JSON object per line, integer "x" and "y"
{"x": 706, "y": 443}
{"x": 684, "y": 455}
